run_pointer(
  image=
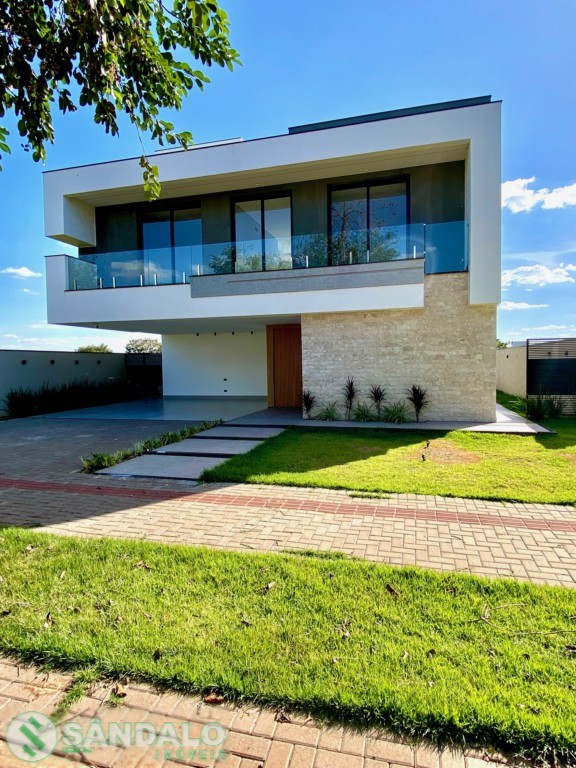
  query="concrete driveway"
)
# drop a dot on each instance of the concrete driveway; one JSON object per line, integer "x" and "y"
{"x": 188, "y": 409}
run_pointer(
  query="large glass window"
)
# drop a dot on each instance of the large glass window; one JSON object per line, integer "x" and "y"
{"x": 368, "y": 223}
{"x": 187, "y": 238}
{"x": 157, "y": 246}
{"x": 171, "y": 243}
{"x": 263, "y": 232}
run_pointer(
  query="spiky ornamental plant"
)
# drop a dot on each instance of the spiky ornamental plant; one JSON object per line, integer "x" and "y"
{"x": 362, "y": 412}
{"x": 378, "y": 396}
{"x": 419, "y": 399}
{"x": 328, "y": 412}
{"x": 308, "y": 400}
{"x": 350, "y": 395}
{"x": 397, "y": 412}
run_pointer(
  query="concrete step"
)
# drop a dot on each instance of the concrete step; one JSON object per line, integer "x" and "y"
{"x": 240, "y": 432}
{"x": 209, "y": 447}
{"x": 166, "y": 467}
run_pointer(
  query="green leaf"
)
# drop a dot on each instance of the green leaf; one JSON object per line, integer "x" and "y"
{"x": 118, "y": 53}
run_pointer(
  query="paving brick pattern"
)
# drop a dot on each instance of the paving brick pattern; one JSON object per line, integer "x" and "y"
{"x": 255, "y": 738}
{"x": 40, "y": 486}
{"x": 531, "y": 542}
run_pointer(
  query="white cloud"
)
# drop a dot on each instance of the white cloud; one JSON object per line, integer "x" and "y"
{"x": 31, "y": 292}
{"x": 518, "y": 198}
{"x": 510, "y": 305}
{"x": 10, "y": 336}
{"x": 538, "y": 274}
{"x": 22, "y": 273}
{"x": 551, "y": 328}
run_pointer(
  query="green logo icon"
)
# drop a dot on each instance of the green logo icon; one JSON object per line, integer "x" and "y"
{"x": 31, "y": 736}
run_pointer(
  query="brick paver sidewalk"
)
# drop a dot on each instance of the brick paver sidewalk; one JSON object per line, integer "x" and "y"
{"x": 40, "y": 486}
{"x": 533, "y": 542}
{"x": 253, "y": 737}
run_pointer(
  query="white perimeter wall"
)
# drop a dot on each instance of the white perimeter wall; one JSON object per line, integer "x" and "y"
{"x": 211, "y": 364}
{"x": 39, "y": 369}
{"x": 511, "y": 370}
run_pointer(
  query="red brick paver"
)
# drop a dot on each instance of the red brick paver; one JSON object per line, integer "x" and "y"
{"x": 302, "y": 743}
{"x": 41, "y": 487}
{"x": 528, "y": 541}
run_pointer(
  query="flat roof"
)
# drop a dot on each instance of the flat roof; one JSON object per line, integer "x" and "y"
{"x": 441, "y": 106}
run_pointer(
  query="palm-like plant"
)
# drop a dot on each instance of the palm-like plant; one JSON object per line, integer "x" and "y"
{"x": 350, "y": 394}
{"x": 308, "y": 400}
{"x": 378, "y": 396}
{"x": 419, "y": 399}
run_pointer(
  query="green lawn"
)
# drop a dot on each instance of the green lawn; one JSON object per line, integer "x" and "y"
{"x": 453, "y": 657}
{"x": 465, "y": 464}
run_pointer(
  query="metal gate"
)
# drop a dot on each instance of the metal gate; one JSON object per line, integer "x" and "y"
{"x": 551, "y": 366}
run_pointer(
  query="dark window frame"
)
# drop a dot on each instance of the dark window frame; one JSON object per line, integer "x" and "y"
{"x": 261, "y": 197}
{"x": 160, "y": 206}
{"x": 359, "y": 183}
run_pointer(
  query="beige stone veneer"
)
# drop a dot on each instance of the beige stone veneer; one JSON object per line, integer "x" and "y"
{"x": 448, "y": 347}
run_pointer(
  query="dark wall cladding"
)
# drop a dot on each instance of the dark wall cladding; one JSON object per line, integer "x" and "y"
{"x": 437, "y": 194}
{"x": 551, "y": 367}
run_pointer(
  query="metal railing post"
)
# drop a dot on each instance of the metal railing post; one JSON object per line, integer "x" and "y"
{"x": 424, "y": 239}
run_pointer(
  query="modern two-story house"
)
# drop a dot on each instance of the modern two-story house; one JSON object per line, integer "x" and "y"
{"x": 366, "y": 247}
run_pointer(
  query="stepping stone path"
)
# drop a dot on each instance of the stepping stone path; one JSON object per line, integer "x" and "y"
{"x": 239, "y": 432}
{"x": 187, "y": 459}
{"x": 209, "y": 447}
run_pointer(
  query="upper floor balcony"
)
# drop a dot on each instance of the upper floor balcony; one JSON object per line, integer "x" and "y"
{"x": 341, "y": 258}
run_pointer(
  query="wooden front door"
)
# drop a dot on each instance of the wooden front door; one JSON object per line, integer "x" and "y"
{"x": 284, "y": 344}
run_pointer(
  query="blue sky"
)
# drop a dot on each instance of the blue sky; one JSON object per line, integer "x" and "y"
{"x": 310, "y": 60}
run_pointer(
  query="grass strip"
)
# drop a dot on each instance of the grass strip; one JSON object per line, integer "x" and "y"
{"x": 525, "y": 468}
{"x": 103, "y": 460}
{"x": 452, "y": 658}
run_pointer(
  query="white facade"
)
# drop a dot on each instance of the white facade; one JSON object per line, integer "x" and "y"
{"x": 215, "y": 342}
{"x": 215, "y": 364}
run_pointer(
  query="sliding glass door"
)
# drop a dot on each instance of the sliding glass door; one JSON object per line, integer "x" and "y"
{"x": 171, "y": 244}
{"x": 368, "y": 222}
{"x": 263, "y": 234}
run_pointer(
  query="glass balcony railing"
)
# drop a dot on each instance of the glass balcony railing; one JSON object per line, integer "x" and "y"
{"x": 443, "y": 246}
{"x": 446, "y": 247}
